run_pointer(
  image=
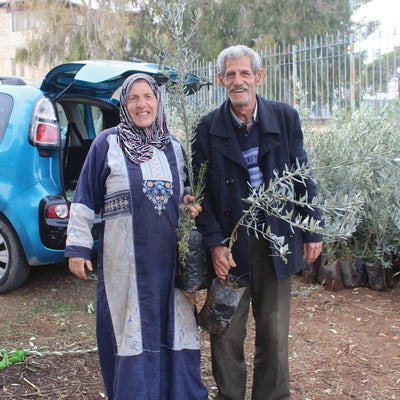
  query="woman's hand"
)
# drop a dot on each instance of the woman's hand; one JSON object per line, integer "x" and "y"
{"x": 195, "y": 209}
{"x": 77, "y": 266}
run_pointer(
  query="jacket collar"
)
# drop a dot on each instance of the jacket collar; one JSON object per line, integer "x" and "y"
{"x": 269, "y": 127}
{"x": 221, "y": 127}
{"x": 226, "y": 142}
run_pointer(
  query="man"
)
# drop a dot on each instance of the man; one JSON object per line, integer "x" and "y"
{"x": 244, "y": 141}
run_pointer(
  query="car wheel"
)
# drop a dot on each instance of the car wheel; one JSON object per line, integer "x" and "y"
{"x": 14, "y": 268}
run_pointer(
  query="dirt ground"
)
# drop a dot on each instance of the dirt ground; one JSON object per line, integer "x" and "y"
{"x": 343, "y": 345}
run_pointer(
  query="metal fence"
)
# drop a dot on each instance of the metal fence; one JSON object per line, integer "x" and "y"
{"x": 323, "y": 73}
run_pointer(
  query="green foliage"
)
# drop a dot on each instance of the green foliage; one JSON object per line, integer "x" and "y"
{"x": 114, "y": 30}
{"x": 15, "y": 357}
{"x": 186, "y": 224}
{"x": 175, "y": 50}
{"x": 359, "y": 156}
{"x": 141, "y": 27}
{"x": 355, "y": 162}
{"x": 66, "y": 31}
{"x": 341, "y": 213}
{"x": 292, "y": 20}
{"x": 260, "y": 23}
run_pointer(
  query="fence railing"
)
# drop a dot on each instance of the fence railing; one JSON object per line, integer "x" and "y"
{"x": 324, "y": 72}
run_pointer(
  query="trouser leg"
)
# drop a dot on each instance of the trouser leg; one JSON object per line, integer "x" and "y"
{"x": 271, "y": 310}
{"x": 227, "y": 355}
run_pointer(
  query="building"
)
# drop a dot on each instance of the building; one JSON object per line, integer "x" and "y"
{"x": 15, "y": 25}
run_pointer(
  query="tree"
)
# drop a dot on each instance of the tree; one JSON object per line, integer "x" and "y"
{"x": 261, "y": 23}
{"x": 145, "y": 24}
{"x": 114, "y": 29}
{"x": 67, "y": 30}
{"x": 223, "y": 24}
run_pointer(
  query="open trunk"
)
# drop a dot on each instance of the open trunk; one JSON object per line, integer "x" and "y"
{"x": 83, "y": 92}
{"x": 81, "y": 120}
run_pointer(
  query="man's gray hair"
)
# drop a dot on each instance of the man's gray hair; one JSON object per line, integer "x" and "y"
{"x": 238, "y": 51}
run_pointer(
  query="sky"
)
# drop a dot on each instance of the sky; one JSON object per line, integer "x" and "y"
{"x": 387, "y": 11}
{"x": 388, "y": 34}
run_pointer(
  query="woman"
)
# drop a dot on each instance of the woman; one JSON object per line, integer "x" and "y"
{"x": 135, "y": 175}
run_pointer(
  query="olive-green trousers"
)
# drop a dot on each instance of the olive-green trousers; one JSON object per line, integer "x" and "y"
{"x": 270, "y": 301}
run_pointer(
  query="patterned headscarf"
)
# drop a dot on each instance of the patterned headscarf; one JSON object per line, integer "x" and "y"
{"x": 137, "y": 142}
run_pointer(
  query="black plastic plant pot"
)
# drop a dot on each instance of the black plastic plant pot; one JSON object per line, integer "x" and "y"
{"x": 192, "y": 276}
{"x": 222, "y": 300}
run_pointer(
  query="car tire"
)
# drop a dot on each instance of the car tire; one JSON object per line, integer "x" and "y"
{"x": 14, "y": 268}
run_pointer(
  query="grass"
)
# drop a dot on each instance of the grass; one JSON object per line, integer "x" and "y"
{"x": 59, "y": 307}
{"x": 303, "y": 290}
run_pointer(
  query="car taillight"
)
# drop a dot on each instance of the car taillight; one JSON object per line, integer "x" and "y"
{"x": 58, "y": 211}
{"x": 45, "y": 133}
{"x": 44, "y": 130}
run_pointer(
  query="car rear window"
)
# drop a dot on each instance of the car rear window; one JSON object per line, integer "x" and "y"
{"x": 6, "y": 105}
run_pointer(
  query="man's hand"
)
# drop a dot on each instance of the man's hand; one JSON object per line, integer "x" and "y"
{"x": 222, "y": 260}
{"x": 195, "y": 209}
{"x": 311, "y": 251}
{"x": 77, "y": 266}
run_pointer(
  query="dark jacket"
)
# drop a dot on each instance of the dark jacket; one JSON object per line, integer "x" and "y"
{"x": 281, "y": 143}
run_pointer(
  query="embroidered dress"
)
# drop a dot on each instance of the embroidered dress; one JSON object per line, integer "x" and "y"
{"x": 147, "y": 334}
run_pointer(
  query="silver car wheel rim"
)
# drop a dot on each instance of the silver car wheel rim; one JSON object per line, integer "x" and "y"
{"x": 4, "y": 256}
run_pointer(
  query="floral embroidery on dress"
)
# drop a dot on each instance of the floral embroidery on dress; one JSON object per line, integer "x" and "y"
{"x": 157, "y": 180}
{"x": 158, "y": 192}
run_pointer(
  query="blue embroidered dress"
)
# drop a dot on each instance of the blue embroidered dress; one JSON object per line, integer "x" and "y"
{"x": 147, "y": 334}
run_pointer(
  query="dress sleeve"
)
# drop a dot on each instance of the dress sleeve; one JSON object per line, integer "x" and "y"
{"x": 87, "y": 201}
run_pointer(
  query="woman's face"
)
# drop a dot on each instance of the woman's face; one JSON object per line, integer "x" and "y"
{"x": 142, "y": 104}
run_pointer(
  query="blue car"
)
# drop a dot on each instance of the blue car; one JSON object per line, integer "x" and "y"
{"x": 45, "y": 134}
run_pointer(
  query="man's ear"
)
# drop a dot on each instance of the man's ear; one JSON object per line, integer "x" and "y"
{"x": 221, "y": 80}
{"x": 259, "y": 76}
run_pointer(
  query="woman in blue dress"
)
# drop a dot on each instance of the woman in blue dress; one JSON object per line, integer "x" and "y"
{"x": 134, "y": 175}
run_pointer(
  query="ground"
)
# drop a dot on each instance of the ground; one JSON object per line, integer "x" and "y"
{"x": 343, "y": 345}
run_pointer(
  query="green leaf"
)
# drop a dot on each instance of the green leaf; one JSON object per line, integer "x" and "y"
{"x": 16, "y": 357}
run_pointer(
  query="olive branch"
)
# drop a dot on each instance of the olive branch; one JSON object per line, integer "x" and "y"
{"x": 274, "y": 199}
{"x": 186, "y": 112}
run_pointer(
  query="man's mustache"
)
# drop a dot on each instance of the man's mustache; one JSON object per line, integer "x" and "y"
{"x": 243, "y": 86}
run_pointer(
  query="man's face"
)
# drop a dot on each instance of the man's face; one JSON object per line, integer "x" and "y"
{"x": 240, "y": 81}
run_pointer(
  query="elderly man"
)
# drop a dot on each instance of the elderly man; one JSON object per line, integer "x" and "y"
{"x": 244, "y": 141}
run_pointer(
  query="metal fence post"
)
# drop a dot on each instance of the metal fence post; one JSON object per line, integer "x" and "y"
{"x": 294, "y": 69}
{"x": 343, "y": 70}
{"x": 210, "y": 79}
{"x": 352, "y": 75}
